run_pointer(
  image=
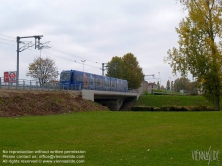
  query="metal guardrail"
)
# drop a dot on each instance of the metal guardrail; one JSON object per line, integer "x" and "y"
{"x": 24, "y": 84}
{"x": 70, "y": 87}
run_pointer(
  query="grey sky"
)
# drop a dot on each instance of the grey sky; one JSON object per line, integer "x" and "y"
{"x": 91, "y": 30}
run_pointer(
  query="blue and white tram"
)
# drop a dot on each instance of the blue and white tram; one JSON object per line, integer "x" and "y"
{"x": 77, "y": 80}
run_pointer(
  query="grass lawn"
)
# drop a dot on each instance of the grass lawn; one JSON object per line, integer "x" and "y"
{"x": 169, "y": 100}
{"x": 118, "y": 138}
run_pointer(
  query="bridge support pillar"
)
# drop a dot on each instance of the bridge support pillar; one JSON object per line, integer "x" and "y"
{"x": 113, "y": 104}
{"x": 88, "y": 94}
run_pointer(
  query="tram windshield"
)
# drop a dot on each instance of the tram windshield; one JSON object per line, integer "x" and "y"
{"x": 65, "y": 76}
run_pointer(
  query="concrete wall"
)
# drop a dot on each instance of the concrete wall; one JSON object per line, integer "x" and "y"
{"x": 143, "y": 87}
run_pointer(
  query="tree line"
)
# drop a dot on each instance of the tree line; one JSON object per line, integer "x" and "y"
{"x": 126, "y": 67}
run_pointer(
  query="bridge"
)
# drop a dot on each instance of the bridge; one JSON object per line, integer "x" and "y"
{"x": 111, "y": 99}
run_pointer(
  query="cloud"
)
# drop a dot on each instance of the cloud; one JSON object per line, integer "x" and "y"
{"x": 93, "y": 30}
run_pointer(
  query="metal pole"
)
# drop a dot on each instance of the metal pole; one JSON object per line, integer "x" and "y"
{"x": 17, "y": 73}
{"x": 83, "y": 64}
{"x": 102, "y": 69}
{"x": 18, "y": 50}
{"x": 170, "y": 82}
{"x": 23, "y": 84}
{"x": 160, "y": 79}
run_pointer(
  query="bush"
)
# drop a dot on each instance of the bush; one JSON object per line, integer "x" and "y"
{"x": 145, "y": 92}
{"x": 184, "y": 108}
{"x": 142, "y": 108}
{"x": 172, "y": 108}
{"x": 156, "y": 109}
{"x": 201, "y": 108}
{"x": 165, "y": 108}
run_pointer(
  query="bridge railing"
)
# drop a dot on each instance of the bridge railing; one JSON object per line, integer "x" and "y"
{"x": 24, "y": 84}
{"x": 76, "y": 87}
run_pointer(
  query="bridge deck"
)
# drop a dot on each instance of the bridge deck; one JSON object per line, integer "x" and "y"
{"x": 93, "y": 94}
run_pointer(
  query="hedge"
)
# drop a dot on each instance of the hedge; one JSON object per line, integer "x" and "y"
{"x": 172, "y": 108}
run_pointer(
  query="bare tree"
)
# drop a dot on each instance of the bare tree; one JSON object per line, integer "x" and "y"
{"x": 43, "y": 69}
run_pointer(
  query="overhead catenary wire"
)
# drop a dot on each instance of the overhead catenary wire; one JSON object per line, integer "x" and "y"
{"x": 10, "y": 40}
{"x": 7, "y": 40}
{"x": 50, "y": 51}
{"x": 54, "y": 55}
{"x": 57, "y": 50}
{"x": 4, "y": 39}
{"x": 52, "y": 48}
{"x": 8, "y": 43}
{"x": 7, "y": 36}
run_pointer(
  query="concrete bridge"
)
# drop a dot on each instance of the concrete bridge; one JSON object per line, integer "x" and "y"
{"x": 113, "y": 100}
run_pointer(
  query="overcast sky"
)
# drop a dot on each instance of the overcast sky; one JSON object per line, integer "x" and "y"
{"x": 91, "y": 30}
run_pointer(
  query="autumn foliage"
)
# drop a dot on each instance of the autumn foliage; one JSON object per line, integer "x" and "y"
{"x": 200, "y": 47}
{"x": 126, "y": 67}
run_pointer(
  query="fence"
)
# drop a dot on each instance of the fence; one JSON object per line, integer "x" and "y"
{"x": 24, "y": 84}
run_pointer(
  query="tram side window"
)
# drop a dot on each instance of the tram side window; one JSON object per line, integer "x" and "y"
{"x": 91, "y": 81}
{"x": 72, "y": 77}
{"x": 102, "y": 82}
{"x": 98, "y": 82}
{"x": 112, "y": 84}
{"x": 79, "y": 78}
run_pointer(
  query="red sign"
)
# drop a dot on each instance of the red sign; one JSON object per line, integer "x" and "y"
{"x": 6, "y": 76}
{"x": 10, "y": 76}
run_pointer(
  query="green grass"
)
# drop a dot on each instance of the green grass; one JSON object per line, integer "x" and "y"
{"x": 118, "y": 138}
{"x": 168, "y": 100}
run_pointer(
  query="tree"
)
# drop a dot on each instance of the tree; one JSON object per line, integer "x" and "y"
{"x": 126, "y": 68}
{"x": 192, "y": 88}
{"x": 158, "y": 85}
{"x": 162, "y": 87}
{"x": 182, "y": 84}
{"x": 115, "y": 67}
{"x": 200, "y": 46}
{"x": 171, "y": 86}
{"x": 43, "y": 69}
{"x": 168, "y": 85}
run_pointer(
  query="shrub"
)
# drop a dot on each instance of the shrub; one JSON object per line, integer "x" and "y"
{"x": 165, "y": 108}
{"x": 142, "y": 108}
{"x": 184, "y": 108}
{"x": 156, "y": 109}
{"x": 172, "y": 108}
{"x": 145, "y": 92}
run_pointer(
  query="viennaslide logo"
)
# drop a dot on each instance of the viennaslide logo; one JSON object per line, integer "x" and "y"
{"x": 207, "y": 155}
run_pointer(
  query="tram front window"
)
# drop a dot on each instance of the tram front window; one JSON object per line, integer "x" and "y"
{"x": 65, "y": 76}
